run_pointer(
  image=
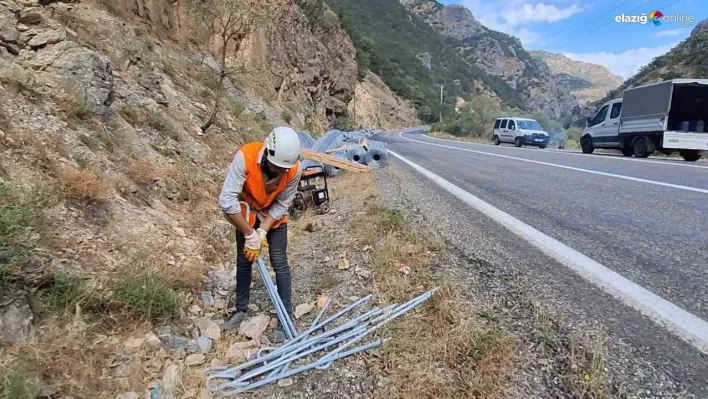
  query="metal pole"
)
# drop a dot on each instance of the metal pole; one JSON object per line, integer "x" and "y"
{"x": 441, "y": 101}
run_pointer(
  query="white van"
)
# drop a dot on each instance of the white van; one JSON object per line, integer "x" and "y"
{"x": 519, "y": 131}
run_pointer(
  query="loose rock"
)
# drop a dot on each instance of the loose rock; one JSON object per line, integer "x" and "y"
{"x": 195, "y": 359}
{"x": 47, "y": 37}
{"x": 128, "y": 395}
{"x": 254, "y": 327}
{"x": 245, "y": 344}
{"x": 285, "y": 382}
{"x": 195, "y": 309}
{"x": 343, "y": 261}
{"x": 208, "y": 299}
{"x": 30, "y": 16}
{"x": 322, "y": 301}
{"x": 205, "y": 344}
{"x": 208, "y": 328}
{"x": 152, "y": 341}
{"x": 303, "y": 309}
{"x": 172, "y": 378}
{"x": 134, "y": 343}
{"x": 253, "y": 307}
{"x": 175, "y": 341}
{"x": 241, "y": 355}
{"x": 15, "y": 323}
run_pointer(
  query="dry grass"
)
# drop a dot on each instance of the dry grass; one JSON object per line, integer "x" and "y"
{"x": 82, "y": 184}
{"x": 447, "y": 136}
{"x": 584, "y": 368}
{"x": 76, "y": 111}
{"x": 440, "y": 350}
{"x": 142, "y": 170}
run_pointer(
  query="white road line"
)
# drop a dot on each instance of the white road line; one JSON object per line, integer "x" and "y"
{"x": 609, "y": 156}
{"x": 682, "y": 323}
{"x": 594, "y": 172}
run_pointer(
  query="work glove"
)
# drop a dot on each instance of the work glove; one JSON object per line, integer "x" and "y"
{"x": 252, "y": 247}
{"x": 264, "y": 240}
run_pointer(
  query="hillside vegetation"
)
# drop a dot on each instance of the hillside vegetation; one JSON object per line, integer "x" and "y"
{"x": 689, "y": 59}
{"x": 411, "y": 57}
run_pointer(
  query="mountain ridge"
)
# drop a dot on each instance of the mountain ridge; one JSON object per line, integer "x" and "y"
{"x": 600, "y": 78}
{"x": 499, "y": 55}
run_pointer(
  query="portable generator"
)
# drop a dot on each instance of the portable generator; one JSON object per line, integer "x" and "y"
{"x": 311, "y": 192}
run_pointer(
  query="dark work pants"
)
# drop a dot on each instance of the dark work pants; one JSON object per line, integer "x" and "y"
{"x": 278, "y": 249}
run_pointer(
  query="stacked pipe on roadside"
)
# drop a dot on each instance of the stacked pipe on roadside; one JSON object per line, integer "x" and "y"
{"x": 353, "y": 146}
{"x": 337, "y": 339}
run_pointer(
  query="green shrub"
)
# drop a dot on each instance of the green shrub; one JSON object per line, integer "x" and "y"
{"x": 21, "y": 219}
{"x": 387, "y": 220}
{"x": 145, "y": 291}
{"x": 66, "y": 291}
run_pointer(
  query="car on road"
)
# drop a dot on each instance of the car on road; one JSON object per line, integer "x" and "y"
{"x": 519, "y": 131}
{"x": 667, "y": 117}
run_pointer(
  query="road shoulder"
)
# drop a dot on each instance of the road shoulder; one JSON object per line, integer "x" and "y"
{"x": 642, "y": 359}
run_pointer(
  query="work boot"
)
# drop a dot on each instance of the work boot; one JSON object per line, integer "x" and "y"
{"x": 235, "y": 321}
{"x": 278, "y": 336}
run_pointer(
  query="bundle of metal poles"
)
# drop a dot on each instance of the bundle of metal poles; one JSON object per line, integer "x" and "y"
{"x": 336, "y": 339}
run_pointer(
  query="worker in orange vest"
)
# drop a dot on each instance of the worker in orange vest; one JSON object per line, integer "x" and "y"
{"x": 266, "y": 176}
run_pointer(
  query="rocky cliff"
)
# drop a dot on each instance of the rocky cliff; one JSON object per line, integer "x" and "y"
{"x": 588, "y": 82}
{"x": 689, "y": 59}
{"x": 499, "y": 55}
{"x": 374, "y": 105}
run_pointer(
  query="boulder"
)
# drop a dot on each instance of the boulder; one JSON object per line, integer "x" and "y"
{"x": 87, "y": 74}
{"x": 30, "y": 16}
{"x": 8, "y": 32}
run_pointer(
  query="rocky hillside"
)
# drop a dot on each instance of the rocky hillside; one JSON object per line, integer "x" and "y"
{"x": 374, "y": 105}
{"x": 689, "y": 59}
{"x": 499, "y": 55}
{"x": 108, "y": 184}
{"x": 588, "y": 82}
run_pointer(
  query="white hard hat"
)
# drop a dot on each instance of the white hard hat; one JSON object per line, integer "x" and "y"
{"x": 283, "y": 147}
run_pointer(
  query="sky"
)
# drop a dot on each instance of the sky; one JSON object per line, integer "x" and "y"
{"x": 586, "y": 30}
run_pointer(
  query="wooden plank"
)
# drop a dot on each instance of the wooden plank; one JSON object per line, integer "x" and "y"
{"x": 331, "y": 160}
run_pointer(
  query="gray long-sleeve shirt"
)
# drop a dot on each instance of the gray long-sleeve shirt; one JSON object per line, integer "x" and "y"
{"x": 233, "y": 185}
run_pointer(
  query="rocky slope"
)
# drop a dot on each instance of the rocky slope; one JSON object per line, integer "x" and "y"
{"x": 499, "y": 55}
{"x": 374, "y": 105}
{"x": 689, "y": 59}
{"x": 108, "y": 219}
{"x": 588, "y": 82}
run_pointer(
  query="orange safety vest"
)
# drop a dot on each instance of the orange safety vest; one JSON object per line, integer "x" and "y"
{"x": 254, "y": 192}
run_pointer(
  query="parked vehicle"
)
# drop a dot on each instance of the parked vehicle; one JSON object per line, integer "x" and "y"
{"x": 519, "y": 131}
{"x": 668, "y": 116}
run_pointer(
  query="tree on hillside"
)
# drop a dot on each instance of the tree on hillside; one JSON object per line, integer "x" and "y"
{"x": 228, "y": 22}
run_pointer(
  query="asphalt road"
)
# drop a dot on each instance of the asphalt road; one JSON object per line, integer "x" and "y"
{"x": 644, "y": 219}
